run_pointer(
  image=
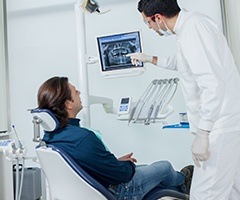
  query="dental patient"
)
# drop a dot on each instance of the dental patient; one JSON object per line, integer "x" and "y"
{"x": 121, "y": 176}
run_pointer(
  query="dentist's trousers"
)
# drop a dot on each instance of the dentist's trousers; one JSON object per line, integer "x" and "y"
{"x": 219, "y": 177}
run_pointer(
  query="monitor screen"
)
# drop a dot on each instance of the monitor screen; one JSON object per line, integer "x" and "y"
{"x": 112, "y": 51}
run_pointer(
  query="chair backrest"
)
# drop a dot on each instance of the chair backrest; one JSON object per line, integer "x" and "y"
{"x": 66, "y": 179}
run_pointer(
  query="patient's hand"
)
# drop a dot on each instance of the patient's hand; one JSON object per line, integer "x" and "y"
{"x": 128, "y": 157}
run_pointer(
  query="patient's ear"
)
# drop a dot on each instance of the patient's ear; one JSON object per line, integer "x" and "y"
{"x": 69, "y": 104}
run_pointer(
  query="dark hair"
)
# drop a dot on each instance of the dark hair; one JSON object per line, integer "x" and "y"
{"x": 168, "y": 8}
{"x": 52, "y": 95}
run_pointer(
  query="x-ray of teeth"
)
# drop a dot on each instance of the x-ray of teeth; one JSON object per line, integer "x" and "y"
{"x": 115, "y": 53}
{"x": 113, "y": 49}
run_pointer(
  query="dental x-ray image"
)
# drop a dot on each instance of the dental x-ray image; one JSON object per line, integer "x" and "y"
{"x": 114, "y": 48}
{"x": 115, "y": 53}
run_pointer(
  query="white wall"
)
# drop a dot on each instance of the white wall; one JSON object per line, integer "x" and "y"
{"x": 42, "y": 43}
{"x": 232, "y": 8}
{"x": 4, "y": 114}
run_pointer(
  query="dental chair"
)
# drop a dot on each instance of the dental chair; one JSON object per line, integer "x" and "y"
{"x": 66, "y": 179}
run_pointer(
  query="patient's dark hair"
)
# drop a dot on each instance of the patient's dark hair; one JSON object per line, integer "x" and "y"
{"x": 52, "y": 95}
{"x": 168, "y": 8}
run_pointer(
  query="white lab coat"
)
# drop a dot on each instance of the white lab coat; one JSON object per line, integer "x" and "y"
{"x": 210, "y": 84}
{"x": 210, "y": 80}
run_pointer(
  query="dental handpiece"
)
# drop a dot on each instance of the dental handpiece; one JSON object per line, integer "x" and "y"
{"x": 150, "y": 111}
{"x": 132, "y": 114}
{"x": 159, "y": 106}
{"x": 147, "y": 95}
{"x": 19, "y": 142}
{"x": 170, "y": 82}
{"x": 156, "y": 112}
{"x": 147, "y": 122}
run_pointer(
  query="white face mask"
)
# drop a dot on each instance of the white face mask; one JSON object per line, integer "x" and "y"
{"x": 161, "y": 32}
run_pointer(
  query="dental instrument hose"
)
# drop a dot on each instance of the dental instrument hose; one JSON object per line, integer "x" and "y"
{"x": 166, "y": 93}
{"x": 18, "y": 187}
{"x": 17, "y": 179}
{"x": 21, "y": 181}
{"x": 148, "y": 94}
{"x": 150, "y": 111}
{"x": 139, "y": 101}
{"x": 175, "y": 80}
{"x": 160, "y": 98}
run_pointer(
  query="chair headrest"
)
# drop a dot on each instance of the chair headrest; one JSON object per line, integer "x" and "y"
{"x": 46, "y": 119}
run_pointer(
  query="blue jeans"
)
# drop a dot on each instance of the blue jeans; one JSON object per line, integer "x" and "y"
{"x": 159, "y": 174}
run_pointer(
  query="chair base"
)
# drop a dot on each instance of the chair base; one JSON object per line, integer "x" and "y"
{"x": 157, "y": 193}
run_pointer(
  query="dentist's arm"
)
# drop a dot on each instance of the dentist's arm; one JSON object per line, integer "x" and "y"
{"x": 140, "y": 57}
{"x": 166, "y": 62}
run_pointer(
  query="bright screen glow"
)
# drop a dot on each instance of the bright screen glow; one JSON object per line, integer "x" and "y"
{"x": 113, "y": 50}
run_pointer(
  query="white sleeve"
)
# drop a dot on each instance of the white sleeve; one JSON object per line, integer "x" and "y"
{"x": 201, "y": 47}
{"x": 167, "y": 62}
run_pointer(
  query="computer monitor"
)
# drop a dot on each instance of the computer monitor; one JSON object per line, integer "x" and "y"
{"x": 112, "y": 50}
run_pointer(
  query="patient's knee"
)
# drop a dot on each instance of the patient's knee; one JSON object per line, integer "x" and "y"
{"x": 163, "y": 165}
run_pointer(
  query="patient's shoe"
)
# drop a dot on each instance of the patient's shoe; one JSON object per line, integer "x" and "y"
{"x": 188, "y": 172}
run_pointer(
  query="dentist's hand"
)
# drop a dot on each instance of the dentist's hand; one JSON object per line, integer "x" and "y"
{"x": 200, "y": 147}
{"x": 139, "y": 57}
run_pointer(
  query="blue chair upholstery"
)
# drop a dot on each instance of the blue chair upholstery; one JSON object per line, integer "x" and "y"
{"x": 154, "y": 194}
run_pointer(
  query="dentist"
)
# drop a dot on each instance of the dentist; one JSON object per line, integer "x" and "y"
{"x": 210, "y": 83}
